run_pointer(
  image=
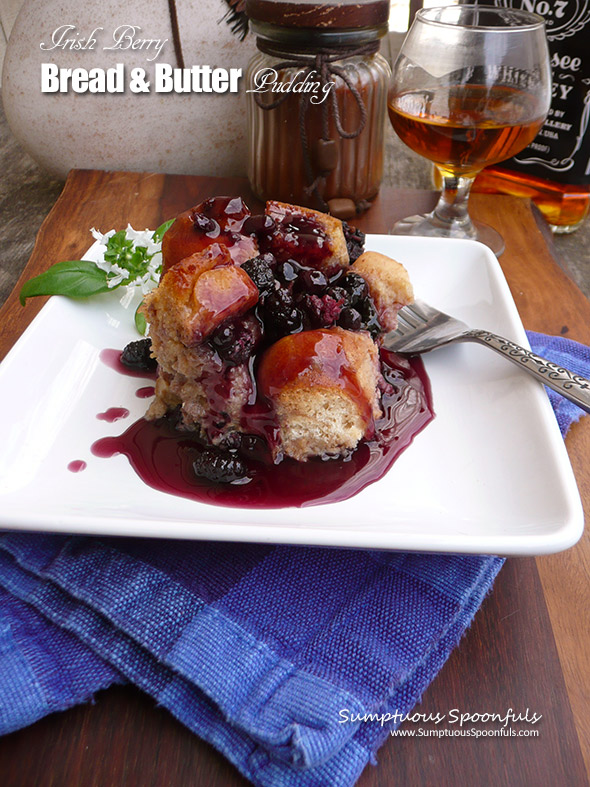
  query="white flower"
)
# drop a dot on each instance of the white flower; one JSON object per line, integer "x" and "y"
{"x": 119, "y": 274}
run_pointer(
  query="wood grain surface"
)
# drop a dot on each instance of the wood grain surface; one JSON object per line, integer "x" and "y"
{"x": 528, "y": 647}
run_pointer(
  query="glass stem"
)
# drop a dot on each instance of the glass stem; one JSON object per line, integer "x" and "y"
{"x": 452, "y": 207}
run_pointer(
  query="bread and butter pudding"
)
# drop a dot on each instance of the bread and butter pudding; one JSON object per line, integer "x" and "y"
{"x": 267, "y": 328}
{"x": 272, "y": 388}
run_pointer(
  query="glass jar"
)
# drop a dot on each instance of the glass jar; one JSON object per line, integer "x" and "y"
{"x": 317, "y": 97}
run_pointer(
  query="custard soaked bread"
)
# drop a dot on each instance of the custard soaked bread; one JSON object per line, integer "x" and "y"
{"x": 283, "y": 345}
{"x": 324, "y": 385}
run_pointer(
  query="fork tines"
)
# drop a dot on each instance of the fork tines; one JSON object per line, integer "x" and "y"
{"x": 411, "y": 317}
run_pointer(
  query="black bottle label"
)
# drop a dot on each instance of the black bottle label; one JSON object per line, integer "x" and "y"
{"x": 561, "y": 150}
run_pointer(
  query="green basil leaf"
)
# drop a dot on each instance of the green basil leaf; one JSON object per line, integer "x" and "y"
{"x": 74, "y": 278}
{"x": 159, "y": 233}
{"x": 140, "y": 320}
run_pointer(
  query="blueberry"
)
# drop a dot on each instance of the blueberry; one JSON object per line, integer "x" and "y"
{"x": 136, "y": 355}
{"x": 280, "y": 313}
{"x": 289, "y": 271}
{"x": 356, "y": 286}
{"x": 203, "y": 223}
{"x": 340, "y": 295}
{"x": 370, "y": 318}
{"x": 218, "y": 466}
{"x": 350, "y": 319}
{"x": 259, "y": 269}
{"x": 234, "y": 342}
{"x": 312, "y": 281}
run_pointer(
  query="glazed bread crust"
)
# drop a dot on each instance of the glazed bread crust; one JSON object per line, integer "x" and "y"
{"x": 389, "y": 285}
{"x": 324, "y": 385}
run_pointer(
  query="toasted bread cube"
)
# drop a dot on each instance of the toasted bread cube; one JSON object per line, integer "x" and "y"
{"x": 197, "y": 294}
{"x": 332, "y": 253}
{"x": 324, "y": 387}
{"x": 389, "y": 285}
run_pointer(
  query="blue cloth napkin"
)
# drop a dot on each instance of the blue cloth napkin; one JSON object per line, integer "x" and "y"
{"x": 573, "y": 356}
{"x": 292, "y": 661}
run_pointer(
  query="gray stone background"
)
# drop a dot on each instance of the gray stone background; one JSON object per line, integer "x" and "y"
{"x": 27, "y": 194}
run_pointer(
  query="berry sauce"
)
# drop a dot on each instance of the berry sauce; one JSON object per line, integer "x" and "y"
{"x": 146, "y": 392}
{"x": 77, "y": 466}
{"x": 113, "y": 414}
{"x": 299, "y": 238}
{"x": 216, "y": 220}
{"x": 163, "y": 457}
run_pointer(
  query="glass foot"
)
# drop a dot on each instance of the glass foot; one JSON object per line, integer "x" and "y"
{"x": 427, "y": 226}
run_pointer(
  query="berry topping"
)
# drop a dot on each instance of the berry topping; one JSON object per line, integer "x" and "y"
{"x": 289, "y": 271}
{"x": 280, "y": 313}
{"x": 204, "y": 224}
{"x": 355, "y": 241}
{"x": 137, "y": 355}
{"x": 297, "y": 237}
{"x": 313, "y": 282}
{"x": 259, "y": 269}
{"x": 261, "y": 224}
{"x": 323, "y": 311}
{"x": 235, "y": 341}
{"x": 350, "y": 319}
{"x": 370, "y": 317}
{"x": 356, "y": 286}
{"x": 220, "y": 467}
{"x": 340, "y": 295}
{"x": 217, "y": 220}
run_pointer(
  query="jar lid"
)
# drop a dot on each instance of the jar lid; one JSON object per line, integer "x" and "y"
{"x": 351, "y": 15}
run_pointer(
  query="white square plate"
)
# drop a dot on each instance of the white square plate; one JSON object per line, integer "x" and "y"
{"x": 489, "y": 475}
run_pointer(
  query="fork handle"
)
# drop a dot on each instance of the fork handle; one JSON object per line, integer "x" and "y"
{"x": 566, "y": 383}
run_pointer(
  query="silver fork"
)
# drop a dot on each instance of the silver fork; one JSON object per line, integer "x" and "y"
{"x": 421, "y": 328}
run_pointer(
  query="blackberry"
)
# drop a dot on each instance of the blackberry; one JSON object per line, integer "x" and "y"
{"x": 136, "y": 355}
{"x": 234, "y": 341}
{"x": 259, "y": 269}
{"x": 280, "y": 313}
{"x": 356, "y": 286}
{"x": 350, "y": 319}
{"x": 218, "y": 466}
{"x": 355, "y": 241}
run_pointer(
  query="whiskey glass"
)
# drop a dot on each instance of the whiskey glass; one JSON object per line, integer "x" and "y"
{"x": 470, "y": 87}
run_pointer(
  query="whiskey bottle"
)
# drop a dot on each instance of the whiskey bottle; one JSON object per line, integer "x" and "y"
{"x": 554, "y": 170}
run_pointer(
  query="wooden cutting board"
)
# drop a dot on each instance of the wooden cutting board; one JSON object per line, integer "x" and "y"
{"x": 529, "y": 644}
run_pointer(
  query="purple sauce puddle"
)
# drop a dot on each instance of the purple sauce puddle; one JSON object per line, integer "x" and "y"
{"x": 163, "y": 457}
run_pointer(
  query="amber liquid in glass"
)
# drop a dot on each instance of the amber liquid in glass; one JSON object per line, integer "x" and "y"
{"x": 466, "y": 127}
